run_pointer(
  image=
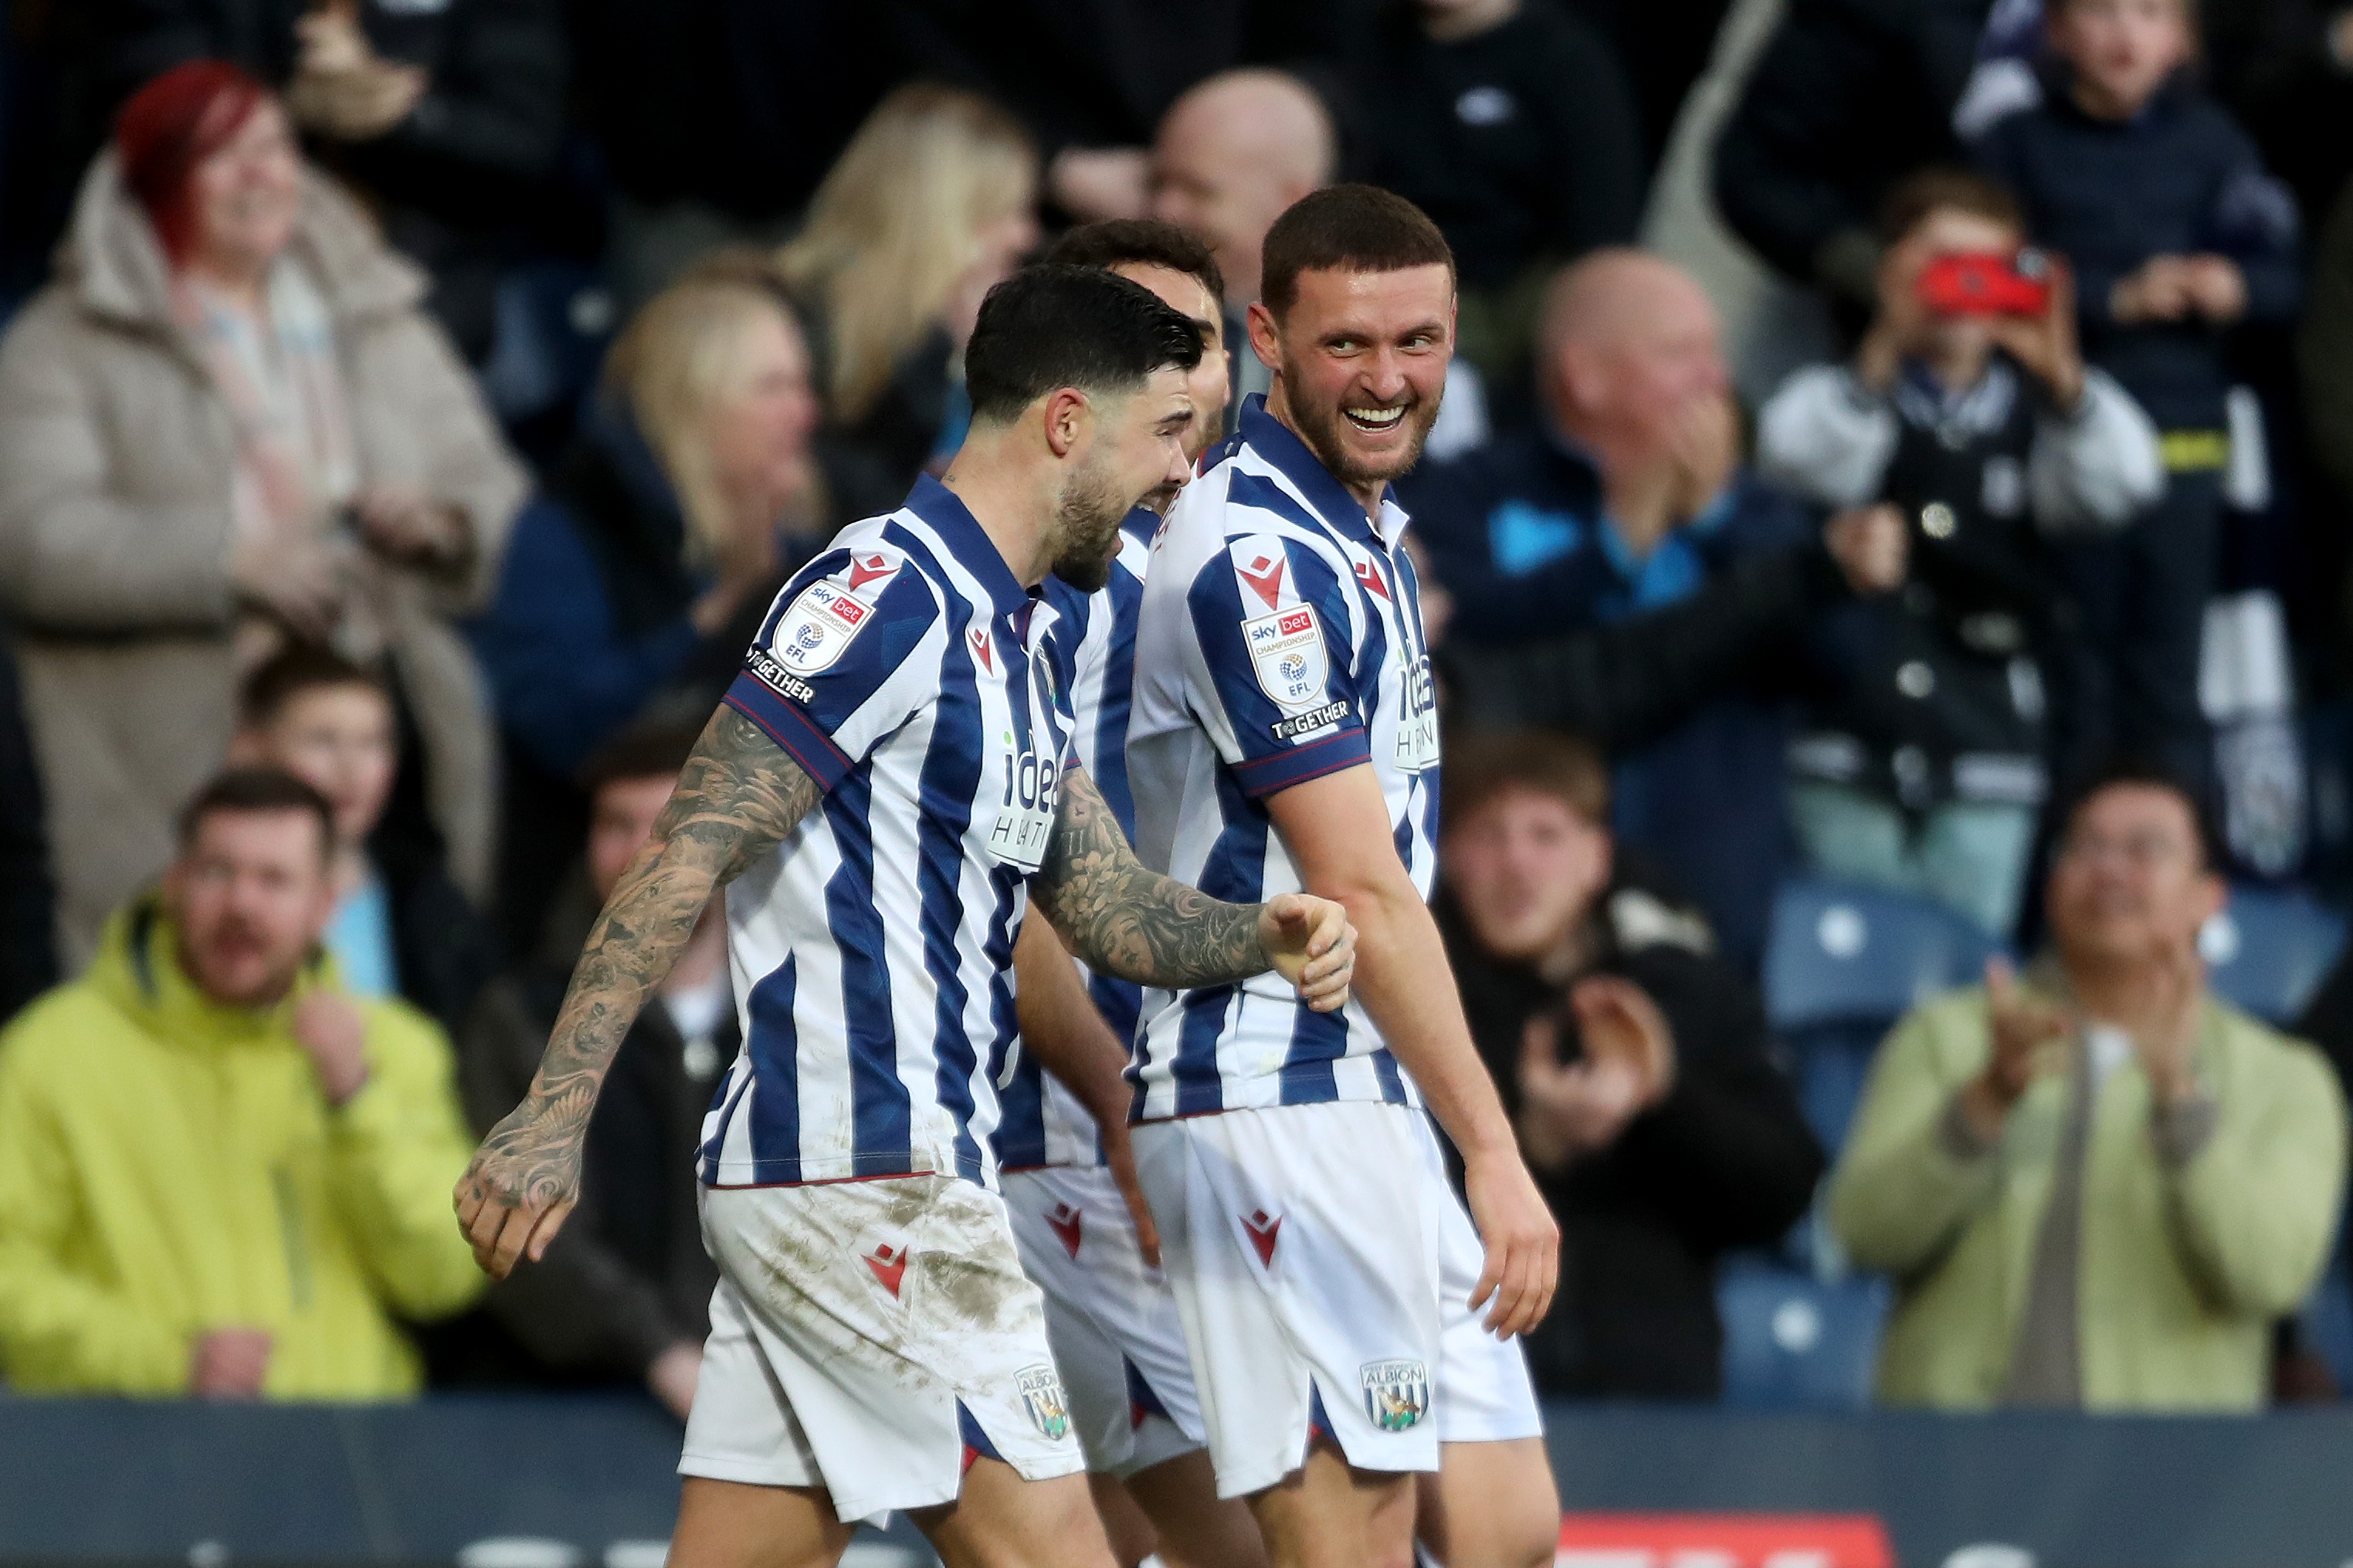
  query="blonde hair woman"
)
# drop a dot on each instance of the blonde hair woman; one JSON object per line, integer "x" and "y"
{"x": 933, "y": 202}
{"x": 681, "y": 505}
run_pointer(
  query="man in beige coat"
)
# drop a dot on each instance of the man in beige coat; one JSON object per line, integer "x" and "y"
{"x": 127, "y": 560}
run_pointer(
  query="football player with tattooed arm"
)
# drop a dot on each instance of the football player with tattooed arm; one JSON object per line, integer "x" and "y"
{"x": 887, "y": 787}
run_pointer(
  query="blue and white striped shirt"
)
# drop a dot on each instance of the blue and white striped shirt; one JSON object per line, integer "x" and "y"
{"x": 904, "y": 669}
{"x": 1094, "y": 649}
{"x": 1280, "y": 640}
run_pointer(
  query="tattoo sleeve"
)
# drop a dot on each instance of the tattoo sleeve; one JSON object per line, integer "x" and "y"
{"x": 738, "y": 797}
{"x": 1125, "y": 919}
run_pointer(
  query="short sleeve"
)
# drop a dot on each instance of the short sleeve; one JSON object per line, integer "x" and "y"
{"x": 821, "y": 679}
{"x": 1272, "y": 621}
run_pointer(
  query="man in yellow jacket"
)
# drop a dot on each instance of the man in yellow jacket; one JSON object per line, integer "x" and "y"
{"x": 220, "y": 1175}
{"x": 2096, "y": 1189}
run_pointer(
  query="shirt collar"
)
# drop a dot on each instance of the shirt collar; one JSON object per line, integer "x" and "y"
{"x": 1276, "y": 442}
{"x": 944, "y": 511}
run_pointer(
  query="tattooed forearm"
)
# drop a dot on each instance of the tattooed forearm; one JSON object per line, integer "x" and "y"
{"x": 1125, "y": 919}
{"x": 737, "y": 798}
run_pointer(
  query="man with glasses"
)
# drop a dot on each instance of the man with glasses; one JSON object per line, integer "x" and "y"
{"x": 2098, "y": 1184}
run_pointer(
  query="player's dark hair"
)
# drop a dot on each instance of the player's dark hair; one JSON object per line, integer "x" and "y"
{"x": 1048, "y": 327}
{"x": 2129, "y": 772}
{"x": 645, "y": 751}
{"x": 1945, "y": 188}
{"x": 1346, "y": 228}
{"x": 1140, "y": 242}
{"x": 246, "y": 791}
{"x": 1482, "y": 768}
{"x": 297, "y": 669}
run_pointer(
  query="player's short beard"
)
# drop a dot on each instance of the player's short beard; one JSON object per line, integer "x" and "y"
{"x": 1086, "y": 527}
{"x": 1325, "y": 432}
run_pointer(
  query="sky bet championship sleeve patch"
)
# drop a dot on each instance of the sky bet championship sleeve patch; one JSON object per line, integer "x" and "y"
{"x": 1287, "y": 649}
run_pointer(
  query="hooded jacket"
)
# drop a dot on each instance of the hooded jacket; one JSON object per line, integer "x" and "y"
{"x": 169, "y": 1166}
{"x": 116, "y": 460}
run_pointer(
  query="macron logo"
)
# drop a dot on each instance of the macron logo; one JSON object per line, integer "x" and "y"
{"x": 1262, "y": 1228}
{"x": 983, "y": 650}
{"x": 1265, "y": 577}
{"x": 1370, "y": 576}
{"x": 1065, "y": 1221}
{"x": 890, "y": 1266}
{"x": 864, "y": 569}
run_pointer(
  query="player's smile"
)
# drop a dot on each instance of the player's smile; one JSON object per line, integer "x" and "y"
{"x": 1378, "y": 419}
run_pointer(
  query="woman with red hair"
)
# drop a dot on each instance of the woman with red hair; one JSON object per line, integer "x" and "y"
{"x": 226, "y": 426}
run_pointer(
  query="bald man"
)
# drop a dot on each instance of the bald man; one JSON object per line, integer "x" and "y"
{"x": 1629, "y": 501}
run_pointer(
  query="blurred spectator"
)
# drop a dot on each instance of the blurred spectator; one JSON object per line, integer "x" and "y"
{"x": 1664, "y": 48}
{"x": 1230, "y": 158}
{"x": 718, "y": 118}
{"x": 624, "y": 1291}
{"x": 450, "y": 115}
{"x": 1092, "y": 82}
{"x": 1630, "y": 498}
{"x": 2284, "y": 68}
{"x": 1925, "y": 766}
{"x": 401, "y": 928}
{"x": 935, "y": 202}
{"x": 642, "y": 570}
{"x": 227, "y": 422}
{"x": 1849, "y": 98}
{"x": 1511, "y": 123}
{"x": 1636, "y": 1067}
{"x": 220, "y": 1173}
{"x": 2098, "y": 1189}
{"x": 2160, "y": 204}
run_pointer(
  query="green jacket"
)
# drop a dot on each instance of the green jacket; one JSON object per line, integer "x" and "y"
{"x": 169, "y": 1166}
{"x": 2182, "y": 1269}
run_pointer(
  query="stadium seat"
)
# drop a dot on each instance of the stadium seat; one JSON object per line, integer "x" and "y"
{"x": 1795, "y": 1342}
{"x": 2269, "y": 950}
{"x": 1839, "y": 953}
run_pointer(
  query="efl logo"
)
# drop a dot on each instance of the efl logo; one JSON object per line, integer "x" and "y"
{"x": 1723, "y": 1541}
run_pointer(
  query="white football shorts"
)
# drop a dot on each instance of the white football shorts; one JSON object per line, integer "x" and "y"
{"x": 1109, "y": 1316}
{"x": 1302, "y": 1243}
{"x": 1485, "y": 1394}
{"x": 868, "y": 1338}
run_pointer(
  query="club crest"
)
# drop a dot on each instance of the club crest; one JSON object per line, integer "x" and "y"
{"x": 1397, "y": 1393}
{"x": 1041, "y": 1395}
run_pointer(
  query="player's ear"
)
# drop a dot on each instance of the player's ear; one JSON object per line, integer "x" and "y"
{"x": 1069, "y": 418}
{"x": 1265, "y": 336}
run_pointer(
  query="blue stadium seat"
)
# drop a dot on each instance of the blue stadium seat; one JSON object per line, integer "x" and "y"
{"x": 1839, "y": 953}
{"x": 2268, "y": 951}
{"x": 1795, "y": 1342}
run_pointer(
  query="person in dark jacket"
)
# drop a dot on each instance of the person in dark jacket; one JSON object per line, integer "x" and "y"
{"x": 624, "y": 1293}
{"x": 2175, "y": 232}
{"x": 1627, "y": 499}
{"x": 1513, "y": 126}
{"x": 637, "y": 577}
{"x": 1849, "y": 98}
{"x": 28, "y": 942}
{"x": 451, "y": 115}
{"x": 1635, "y": 1065}
{"x": 401, "y": 928}
{"x": 1924, "y": 764}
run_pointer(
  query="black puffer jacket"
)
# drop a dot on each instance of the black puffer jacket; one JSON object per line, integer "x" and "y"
{"x": 1850, "y": 97}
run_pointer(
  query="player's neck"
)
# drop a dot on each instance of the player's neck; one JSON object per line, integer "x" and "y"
{"x": 1012, "y": 499}
{"x": 1369, "y": 495}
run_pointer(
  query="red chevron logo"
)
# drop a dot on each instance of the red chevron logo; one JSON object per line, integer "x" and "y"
{"x": 864, "y": 569}
{"x": 1065, "y": 1221}
{"x": 1265, "y": 577}
{"x": 1370, "y": 576}
{"x": 890, "y": 1266}
{"x": 1262, "y": 1228}
{"x": 984, "y": 650}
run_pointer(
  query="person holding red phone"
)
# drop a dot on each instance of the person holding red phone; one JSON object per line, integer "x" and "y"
{"x": 1969, "y": 409}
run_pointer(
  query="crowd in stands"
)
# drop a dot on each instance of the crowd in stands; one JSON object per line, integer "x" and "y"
{"x": 408, "y": 412}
